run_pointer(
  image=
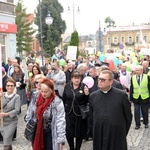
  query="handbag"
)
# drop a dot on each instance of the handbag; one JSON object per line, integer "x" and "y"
{"x": 30, "y": 129}
{"x": 84, "y": 109}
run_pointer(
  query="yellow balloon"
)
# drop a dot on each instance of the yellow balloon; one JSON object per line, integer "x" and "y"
{"x": 134, "y": 59}
{"x": 133, "y": 54}
{"x": 98, "y": 53}
{"x": 120, "y": 57}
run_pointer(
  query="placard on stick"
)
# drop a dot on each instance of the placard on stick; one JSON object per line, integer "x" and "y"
{"x": 1, "y": 99}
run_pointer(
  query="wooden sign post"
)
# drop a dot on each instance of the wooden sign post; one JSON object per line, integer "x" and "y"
{"x": 1, "y": 98}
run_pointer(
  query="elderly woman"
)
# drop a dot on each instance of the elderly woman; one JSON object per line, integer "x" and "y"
{"x": 75, "y": 94}
{"x": 9, "y": 113}
{"x": 48, "y": 111}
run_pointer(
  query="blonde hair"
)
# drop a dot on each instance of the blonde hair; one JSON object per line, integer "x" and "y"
{"x": 39, "y": 76}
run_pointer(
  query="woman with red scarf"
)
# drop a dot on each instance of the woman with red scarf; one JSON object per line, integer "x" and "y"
{"x": 48, "y": 111}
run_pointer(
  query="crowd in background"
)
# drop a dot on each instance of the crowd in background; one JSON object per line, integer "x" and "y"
{"x": 59, "y": 82}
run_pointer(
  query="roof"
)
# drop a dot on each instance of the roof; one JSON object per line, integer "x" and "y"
{"x": 82, "y": 38}
{"x": 129, "y": 28}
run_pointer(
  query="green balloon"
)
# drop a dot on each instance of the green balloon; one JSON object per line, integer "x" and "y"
{"x": 141, "y": 55}
{"x": 128, "y": 69}
{"x": 62, "y": 62}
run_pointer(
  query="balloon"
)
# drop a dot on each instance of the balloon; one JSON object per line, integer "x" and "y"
{"x": 116, "y": 61}
{"x": 111, "y": 64}
{"x": 132, "y": 66}
{"x": 141, "y": 55}
{"x": 120, "y": 62}
{"x": 88, "y": 81}
{"x": 98, "y": 53}
{"x": 54, "y": 57}
{"x": 134, "y": 58}
{"x": 133, "y": 54}
{"x": 102, "y": 57}
{"x": 120, "y": 57}
{"x": 62, "y": 62}
{"x": 128, "y": 68}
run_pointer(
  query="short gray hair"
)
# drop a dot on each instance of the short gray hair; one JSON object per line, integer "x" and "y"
{"x": 110, "y": 73}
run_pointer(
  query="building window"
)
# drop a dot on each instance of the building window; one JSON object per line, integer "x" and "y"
{"x": 3, "y": 47}
{"x": 137, "y": 39}
{"x": 122, "y": 39}
{"x": 130, "y": 39}
{"x": 145, "y": 38}
{"x": 108, "y": 41}
{"x": 115, "y": 40}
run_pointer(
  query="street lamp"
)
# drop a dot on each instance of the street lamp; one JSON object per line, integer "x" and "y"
{"x": 78, "y": 10}
{"x": 41, "y": 38}
{"x": 48, "y": 19}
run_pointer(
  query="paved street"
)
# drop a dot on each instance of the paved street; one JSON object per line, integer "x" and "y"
{"x": 137, "y": 139}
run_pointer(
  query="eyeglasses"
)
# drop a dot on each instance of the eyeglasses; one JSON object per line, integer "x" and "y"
{"x": 103, "y": 80}
{"x": 36, "y": 82}
{"x": 9, "y": 85}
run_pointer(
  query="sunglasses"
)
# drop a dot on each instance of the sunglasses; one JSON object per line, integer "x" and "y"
{"x": 9, "y": 85}
{"x": 103, "y": 80}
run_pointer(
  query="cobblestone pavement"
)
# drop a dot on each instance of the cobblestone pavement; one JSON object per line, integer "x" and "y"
{"x": 137, "y": 139}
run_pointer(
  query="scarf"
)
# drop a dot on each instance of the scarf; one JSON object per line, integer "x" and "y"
{"x": 42, "y": 104}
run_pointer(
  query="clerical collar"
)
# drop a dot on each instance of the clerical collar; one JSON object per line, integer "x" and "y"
{"x": 105, "y": 91}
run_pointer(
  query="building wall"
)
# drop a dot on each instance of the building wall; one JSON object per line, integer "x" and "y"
{"x": 137, "y": 33}
{"x": 8, "y": 29}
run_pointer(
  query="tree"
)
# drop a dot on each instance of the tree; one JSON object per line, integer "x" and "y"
{"x": 25, "y": 31}
{"x": 75, "y": 41}
{"x": 51, "y": 34}
{"x": 110, "y": 22}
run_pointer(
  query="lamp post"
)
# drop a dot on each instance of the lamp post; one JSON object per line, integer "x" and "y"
{"x": 41, "y": 38}
{"x": 48, "y": 21}
{"x": 73, "y": 8}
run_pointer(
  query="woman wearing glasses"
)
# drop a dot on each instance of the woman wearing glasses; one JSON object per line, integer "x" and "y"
{"x": 35, "y": 70}
{"x": 37, "y": 87}
{"x": 75, "y": 94}
{"x": 9, "y": 113}
{"x": 48, "y": 111}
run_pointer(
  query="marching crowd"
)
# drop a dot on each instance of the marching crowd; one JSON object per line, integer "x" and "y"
{"x": 63, "y": 107}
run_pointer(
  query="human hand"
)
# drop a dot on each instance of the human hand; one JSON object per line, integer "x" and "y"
{"x": 2, "y": 114}
{"x": 1, "y": 94}
{"x": 61, "y": 146}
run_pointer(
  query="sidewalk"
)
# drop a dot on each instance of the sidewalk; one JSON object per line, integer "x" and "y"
{"x": 137, "y": 139}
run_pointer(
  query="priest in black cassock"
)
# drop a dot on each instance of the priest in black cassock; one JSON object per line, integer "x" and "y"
{"x": 110, "y": 111}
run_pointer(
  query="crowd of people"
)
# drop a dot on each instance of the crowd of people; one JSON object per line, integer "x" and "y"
{"x": 54, "y": 93}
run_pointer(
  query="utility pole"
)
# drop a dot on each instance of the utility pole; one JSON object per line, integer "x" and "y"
{"x": 99, "y": 37}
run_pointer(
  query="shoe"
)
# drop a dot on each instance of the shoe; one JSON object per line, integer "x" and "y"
{"x": 137, "y": 127}
{"x": 146, "y": 126}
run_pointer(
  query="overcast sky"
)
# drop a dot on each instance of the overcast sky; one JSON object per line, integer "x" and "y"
{"x": 123, "y": 12}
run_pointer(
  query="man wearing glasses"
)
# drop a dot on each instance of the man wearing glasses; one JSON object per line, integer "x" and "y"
{"x": 110, "y": 112}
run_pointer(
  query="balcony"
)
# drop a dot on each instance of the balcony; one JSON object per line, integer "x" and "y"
{"x": 115, "y": 44}
{"x": 7, "y": 8}
{"x": 129, "y": 43}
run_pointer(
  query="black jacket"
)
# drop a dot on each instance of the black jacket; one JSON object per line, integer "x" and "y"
{"x": 73, "y": 98}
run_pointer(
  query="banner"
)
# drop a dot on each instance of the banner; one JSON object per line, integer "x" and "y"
{"x": 72, "y": 52}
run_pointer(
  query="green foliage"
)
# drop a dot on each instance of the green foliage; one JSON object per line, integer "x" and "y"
{"x": 52, "y": 34}
{"x": 65, "y": 47}
{"x": 110, "y": 22}
{"x": 75, "y": 41}
{"x": 25, "y": 31}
